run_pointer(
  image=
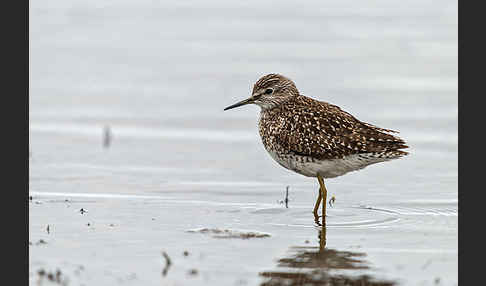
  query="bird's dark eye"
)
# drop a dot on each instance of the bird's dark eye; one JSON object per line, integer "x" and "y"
{"x": 268, "y": 91}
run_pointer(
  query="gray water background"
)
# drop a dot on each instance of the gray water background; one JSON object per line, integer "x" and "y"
{"x": 159, "y": 75}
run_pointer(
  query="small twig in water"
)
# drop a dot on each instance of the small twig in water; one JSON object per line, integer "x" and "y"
{"x": 332, "y": 200}
{"x": 167, "y": 263}
{"x": 106, "y": 136}
{"x": 287, "y": 197}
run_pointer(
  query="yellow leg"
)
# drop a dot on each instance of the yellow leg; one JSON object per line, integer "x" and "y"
{"x": 323, "y": 197}
{"x": 316, "y": 207}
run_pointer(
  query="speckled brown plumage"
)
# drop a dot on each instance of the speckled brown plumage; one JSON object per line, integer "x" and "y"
{"x": 297, "y": 128}
{"x": 307, "y": 127}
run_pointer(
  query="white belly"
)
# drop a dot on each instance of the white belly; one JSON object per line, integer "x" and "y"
{"x": 327, "y": 168}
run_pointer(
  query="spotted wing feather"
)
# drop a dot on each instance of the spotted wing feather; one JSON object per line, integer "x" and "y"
{"x": 323, "y": 131}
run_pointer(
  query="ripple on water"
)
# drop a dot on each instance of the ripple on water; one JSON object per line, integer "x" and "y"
{"x": 368, "y": 216}
{"x": 339, "y": 218}
{"x": 426, "y": 210}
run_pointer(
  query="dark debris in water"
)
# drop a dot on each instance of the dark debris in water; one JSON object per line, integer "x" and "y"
{"x": 56, "y": 277}
{"x": 332, "y": 200}
{"x": 286, "y": 199}
{"x": 107, "y": 136}
{"x": 168, "y": 263}
{"x": 228, "y": 233}
{"x": 39, "y": 242}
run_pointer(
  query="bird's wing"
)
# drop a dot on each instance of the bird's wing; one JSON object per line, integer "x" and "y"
{"x": 327, "y": 132}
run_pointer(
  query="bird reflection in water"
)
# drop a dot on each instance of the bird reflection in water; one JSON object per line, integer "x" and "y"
{"x": 313, "y": 266}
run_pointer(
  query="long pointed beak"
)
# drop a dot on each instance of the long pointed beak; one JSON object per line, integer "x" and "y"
{"x": 243, "y": 102}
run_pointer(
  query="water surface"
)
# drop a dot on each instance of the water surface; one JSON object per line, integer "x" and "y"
{"x": 159, "y": 75}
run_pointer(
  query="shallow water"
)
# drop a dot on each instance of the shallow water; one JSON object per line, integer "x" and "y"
{"x": 159, "y": 74}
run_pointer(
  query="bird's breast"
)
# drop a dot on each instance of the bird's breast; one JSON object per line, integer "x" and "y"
{"x": 269, "y": 126}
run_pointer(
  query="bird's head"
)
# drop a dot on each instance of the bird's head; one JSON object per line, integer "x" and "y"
{"x": 270, "y": 91}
